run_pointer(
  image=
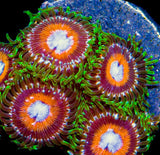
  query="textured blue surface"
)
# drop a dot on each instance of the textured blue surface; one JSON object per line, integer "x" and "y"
{"x": 123, "y": 18}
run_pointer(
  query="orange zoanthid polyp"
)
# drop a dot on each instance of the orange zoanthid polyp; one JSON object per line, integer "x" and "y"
{"x": 37, "y": 114}
{"x": 110, "y": 133}
{"x": 61, "y": 38}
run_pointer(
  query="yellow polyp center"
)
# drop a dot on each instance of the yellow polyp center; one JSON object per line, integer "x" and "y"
{"x": 4, "y": 65}
{"x": 118, "y": 132}
{"x": 117, "y": 70}
{"x": 48, "y": 39}
{"x": 33, "y": 120}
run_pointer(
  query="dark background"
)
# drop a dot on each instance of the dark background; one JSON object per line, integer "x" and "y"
{"x": 12, "y": 19}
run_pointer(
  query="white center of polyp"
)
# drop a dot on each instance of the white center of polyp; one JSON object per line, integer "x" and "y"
{"x": 2, "y": 65}
{"x": 111, "y": 141}
{"x": 116, "y": 71}
{"x": 38, "y": 110}
{"x": 59, "y": 41}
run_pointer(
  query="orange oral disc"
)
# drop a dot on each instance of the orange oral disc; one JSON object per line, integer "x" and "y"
{"x": 4, "y": 65}
{"x": 117, "y": 70}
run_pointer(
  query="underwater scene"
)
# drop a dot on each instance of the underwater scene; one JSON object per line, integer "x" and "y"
{"x": 80, "y": 77}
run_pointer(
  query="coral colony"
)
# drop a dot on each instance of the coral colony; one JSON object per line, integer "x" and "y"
{"x": 64, "y": 81}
